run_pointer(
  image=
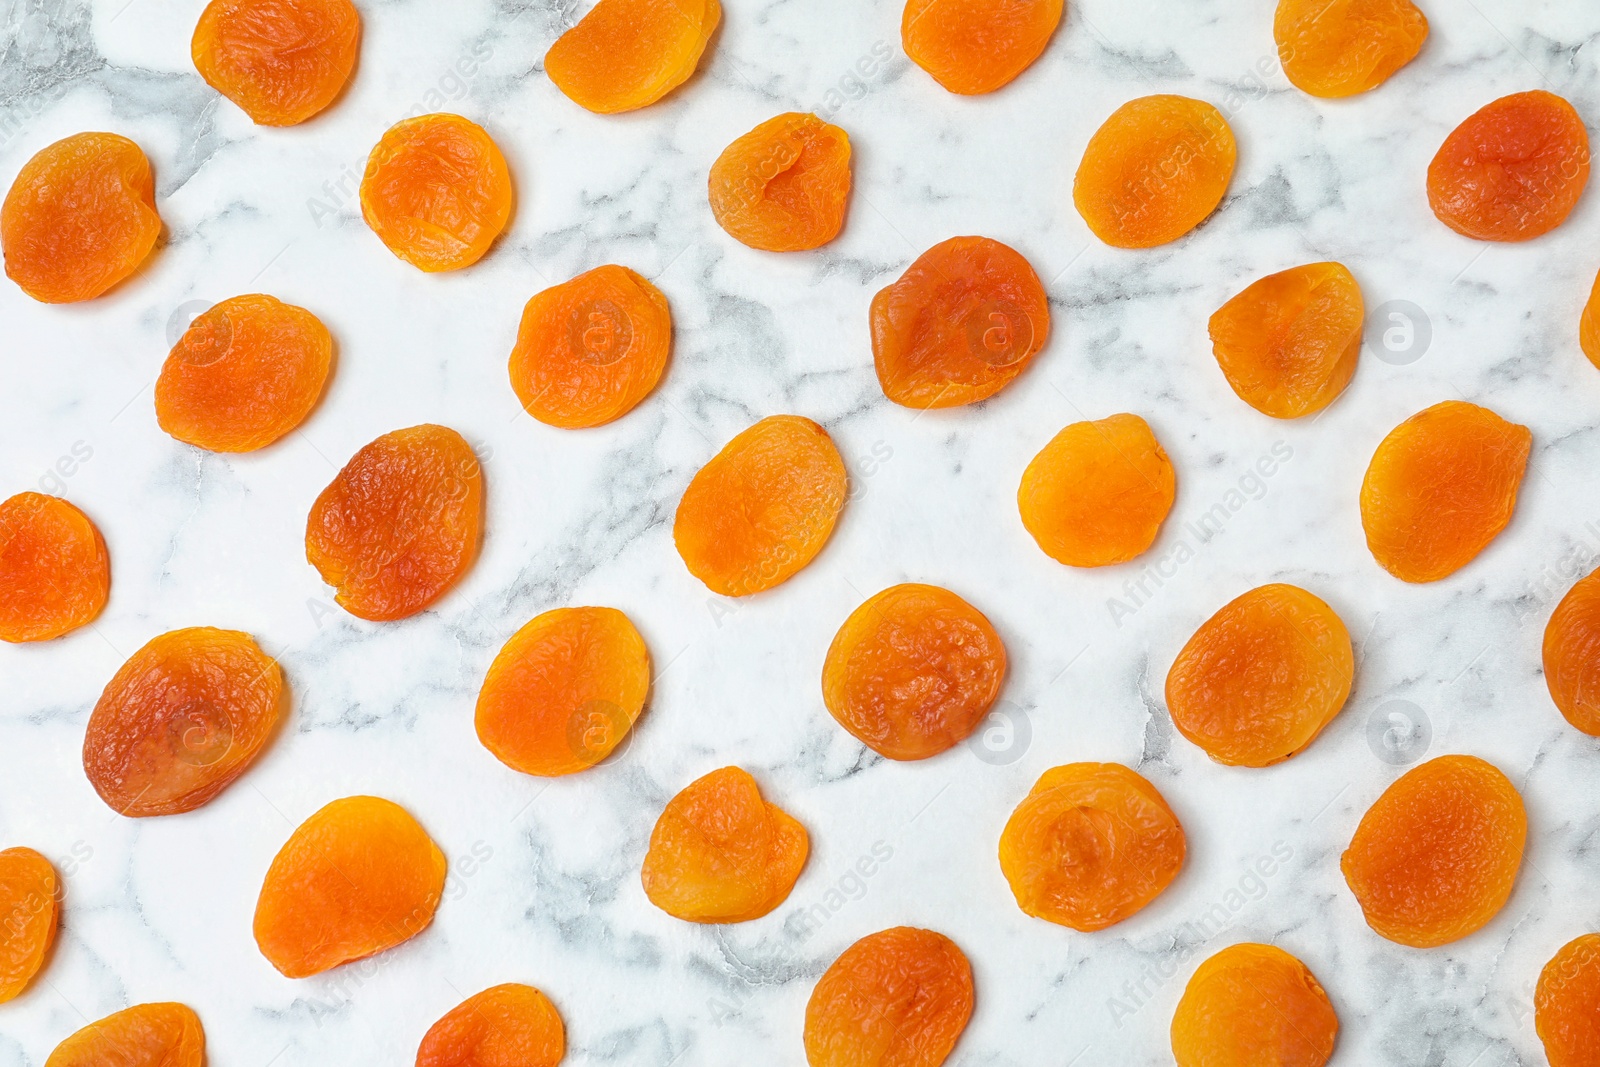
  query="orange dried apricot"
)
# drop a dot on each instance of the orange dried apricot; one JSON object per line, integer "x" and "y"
{"x": 590, "y": 349}
{"x": 1155, "y": 170}
{"x": 145, "y": 1035}
{"x": 963, "y": 321}
{"x": 897, "y": 998}
{"x": 1566, "y": 1004}
{"x": 627, "y": 54}
{"x": 1512, "y": 170}
{"x": 785, "y": 185}
{"x": 762, "y": 508}
{"x": 55, "y": 573}
{"x": 1589, "y": 325}
{"x": 564, "y": 691}
{"x": 1335, "y": 48}
{"x": 1440, "y": 487}
{"x": 399, "y": 525}
{"x": 437, "y": 192}
{"x": 1098, "y": 493}
{"x": 80, "y": 218}
{"x": 1572, "y": 655}
{"x": 281, "y": 61}
{"x": 358, "y": 877}
{"x": 507, "y": 1025}
{"x": 1436, "y": 855}
{"x": 976, "y": 46}
{"x": 1288, "y": 344}
{"x": 1261, "y": 678}
{"x": 30, "y": 910}
{"x": 1253, "y": 1006}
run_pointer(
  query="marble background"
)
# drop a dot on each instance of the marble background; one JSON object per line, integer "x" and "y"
{"x": 544, "y": 886}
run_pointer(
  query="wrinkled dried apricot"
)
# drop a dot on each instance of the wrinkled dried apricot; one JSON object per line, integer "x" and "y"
{"x": 1098, "y": 493}
{"x": 437, "y": 192}
{"x": 1572, "y": 655}
{"x": 762, "y": 508}
{"x": 897, "y": 998}
{"x": 1440, "y": 487}
{"x": 358, "y": 877}
{"x": 1334, "y": 48}
{"x": 30, "y": 910}
{"x": 1253, "y": 1006}
{"x": 55, "y": 573}
{"x": 564, "y": 691}
{"x": 1262, "y": 677}
{"x": 785, "y": 185}
{"x": 145, "y": 1035}
{"x": 281, "y": 61}
{"x": 627, "y": 54}
{"x": 1513, "y": 170}
{"x": 963, "y": 321}
{"x": 1436, "y": 855}
{"x": 590, "y": 349}
{"x": 1288, "y": 344}
{"x": 976, "y": 46}
{"x": 1566, "y": 1004}
{"x": 505, "y": 1026}
{"x": 399, "y": 525}
{"x": 80, "y": 218}
{"x": 1589, "y": 325}
{"x": 1155, "y": 170}
{"x": 1091, "y": 845}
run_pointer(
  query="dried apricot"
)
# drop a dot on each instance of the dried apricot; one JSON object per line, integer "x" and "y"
{"x": 358, "y": 877}
{"x": 590, "y": 349}
{"x": 1155, "y": 170}
{"x": 399, "y": 525}
{"x": 1566, "y": 1004}
{"x": 80, "y": 218}
{"x": 437, "y": 192}
{"x": 762, "y": 508}
{"x": 145, "y": 1035}
{"x": 55, "y": 573}
{"x": 30, "y": 910}
{"x": 1436, "y": 855}
{"x": 963, "y": 321}
{"x": 1098, "y": 493}
{"x": 1440, "y": 487}
{"x": 1334, "y": 48}
{"x": 1091, "y": 845}
{"x": 1513, "y": 170}
{"x": 897, "y": 998}
{"x": 281, "y": 61}
{"x": 976, "y": 46}
{"x": 1288, "y": 344}
{"x": 1572, "y": 655}
{"x": 785, "y": 185}
{"x": 505, "y": 1026}
{"x": 1589, "y": 325}
{"x": 564, "y": 691}
{"x": 627, "y": 54}
{"x": 1253, "y": 1006}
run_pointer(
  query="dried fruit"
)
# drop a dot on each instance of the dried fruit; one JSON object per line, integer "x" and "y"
{"x": 897, "y": 998}
{"x": 762, "y": 508}
{"x": 358, "y": 877}
{"x": 1436, "y": 855}
{"x": 1090, "y": 846}
{"x": 145, "y": 1035}
{"x": 1253, "y": 1006}
{"x": 627, "y": 54}
{"x": 590, "y": 349}
{"x": 785, "y": 185}
{"x": 1589, "y": 325}
{"x": 976, "y": 46}
{"x": 1566, "y": 1004}
{"x": 1098, "y": 493}
{"x": 30, "y": 910}
{"x": 1155, "y": 170}
{"x": 80, "y": 218}
{"x": 1335, "y": 48}
{"x": 1513, "y": 170}
{"x": 437, "y": 192}
{"x": 564, "y": 691}
{"x": 1572, "y": 655}
{"x": 243, "y": 374}
{"x": 913, "y": 671}
{"x": 399, "y": 525}
{"x": 963, "y": 320}
{"x": 55, "y": 573}
{"x": 281, "y": 61}
{"x": 505, "y": 1026}
{"x": 720, "y": 853}
{"x": 1288, "y": 344}
{"x": 1440, "y": 487}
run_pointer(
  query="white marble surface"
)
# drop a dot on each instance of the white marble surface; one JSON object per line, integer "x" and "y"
{"x": 545, "y": 882}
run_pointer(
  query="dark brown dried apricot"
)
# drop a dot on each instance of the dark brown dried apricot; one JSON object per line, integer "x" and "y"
{"x": 785, "y": 185}
{"x": 30, "y": 911}
{"x": 507, "y": 1025}
{"x": 55, "y": 573}
{"x": 1572, "y": 655}
{"x": 1589, "y": 325}
{"x": 145, "y": 1035}
{"x": 1335, "y": 48}
{"x": 1566, "y": 1004}
{"x": 976, "y": 46}
{"x": 627, "y": 54}
{"x": 1253, "y": 1006}
{"x": 281, "y": 61}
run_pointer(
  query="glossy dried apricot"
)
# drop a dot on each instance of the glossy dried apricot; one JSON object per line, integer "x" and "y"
{"x": 1335, "y": 48}
{"x": 145, "y": 1035}
{"x": 30, "y": 910}
{"x": 1572, "y": 655}
{"x": 1440, "y": 487}
{"x": 1513, "y": 170}
{"x": 399, "y": 525}
{"x": 281, "y": 61}
{"x": 564, "y": 691}
{"x": 1098, "y": 493}
{"x": 627, "y": 54}
{"x": 590, "y": 349}
{"x": 976, "y": 46}
{"x": 505, "y": 1026}
{"x": 1436, "y": 855}
{"x": 897, "y": 998}
{"x": 785, "y": 185}
{"x": 1589, "y": 325}
{"x": 80, "y": 217}
{"x": 1253, "y": 1006}
{"x": 1566, "y": 1004}
{"x": 762, "y": 508}
{"x": 55, "y": 573}
{"x": 963, "y": 321}
{"x": 358, "y": 877}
